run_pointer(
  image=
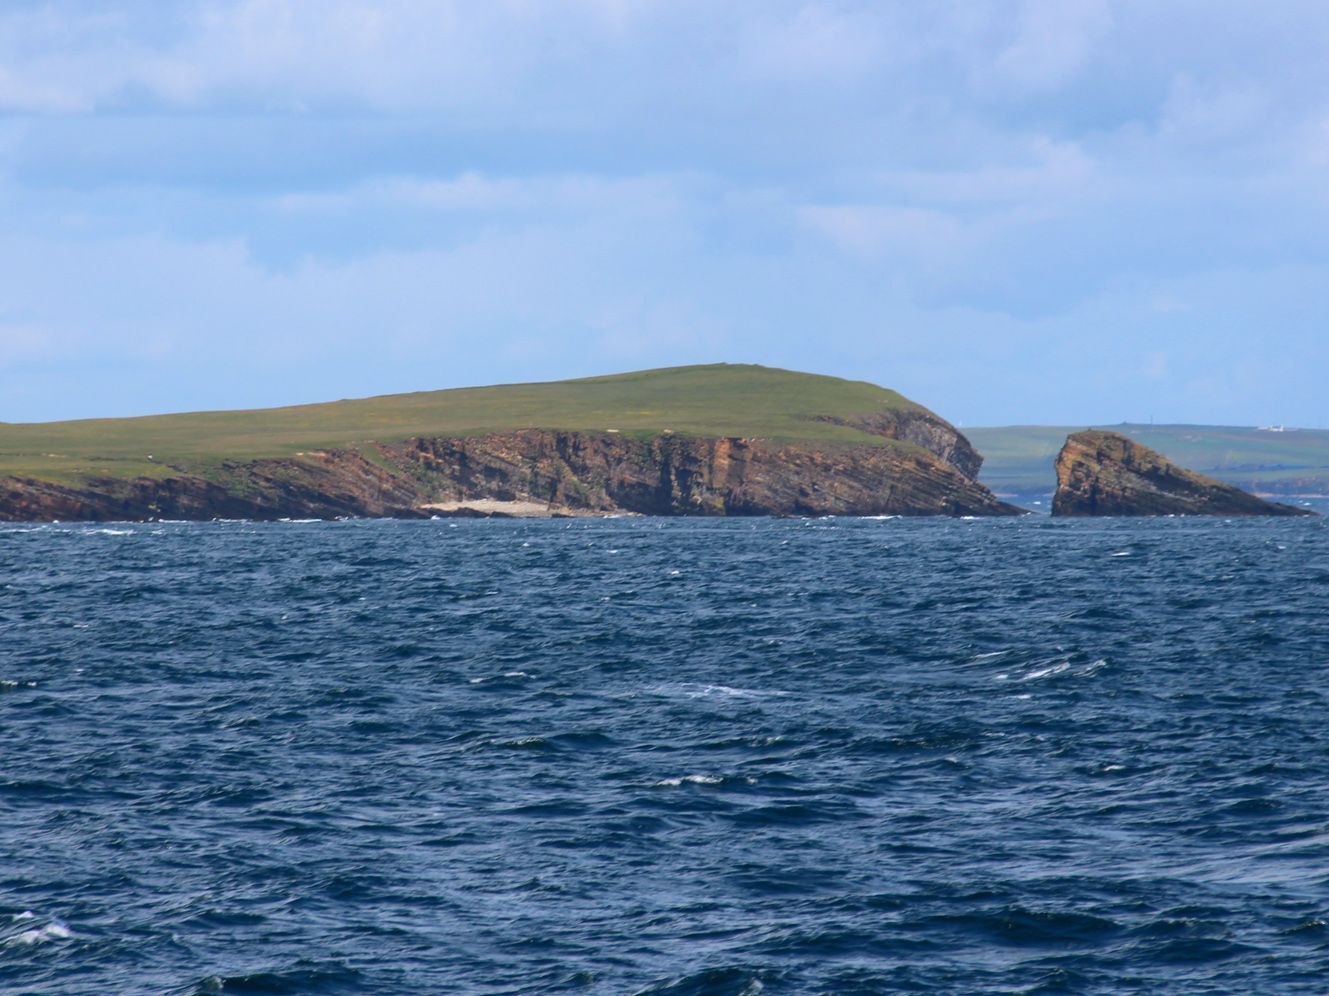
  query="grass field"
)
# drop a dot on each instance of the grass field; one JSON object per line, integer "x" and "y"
{"x": 714, "y": 400}
{"x": 1018, "y": 459}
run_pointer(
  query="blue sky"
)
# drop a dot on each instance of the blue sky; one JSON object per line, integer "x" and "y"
{"x": 1069, "y": 211}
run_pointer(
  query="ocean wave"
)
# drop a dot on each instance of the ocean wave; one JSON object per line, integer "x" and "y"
{"x": 53, "y": 930}
{"x": 708, "y": 691}
{"x": 398, "y": 759}
{"x": 691, "y": 779}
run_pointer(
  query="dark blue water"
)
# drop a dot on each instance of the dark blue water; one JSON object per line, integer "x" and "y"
{"x": 665, "y": 756}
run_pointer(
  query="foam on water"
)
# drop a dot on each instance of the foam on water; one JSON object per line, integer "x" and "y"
{"x": 1044, "y": 672}
{"x": 691, "y": 779}
{"x": 53, "y": 930}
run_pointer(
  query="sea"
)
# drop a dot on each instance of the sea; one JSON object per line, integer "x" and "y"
{"x": 665, "y": 756}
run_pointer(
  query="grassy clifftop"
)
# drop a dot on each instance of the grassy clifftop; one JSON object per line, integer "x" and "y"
{"x": 713, "y": 400}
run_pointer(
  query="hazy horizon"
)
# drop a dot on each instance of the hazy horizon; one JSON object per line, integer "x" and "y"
{"x": 1079, "y": 212}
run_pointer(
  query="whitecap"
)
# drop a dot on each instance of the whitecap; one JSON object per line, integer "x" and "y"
{"x": 53, "y": 931}
{"x": 1044, "y": 672}
{"x": 710, "y": 691}
{"x": 1120, "y": 553}
{"x": 505, "y": 674}
{"x": 691, "y": 780}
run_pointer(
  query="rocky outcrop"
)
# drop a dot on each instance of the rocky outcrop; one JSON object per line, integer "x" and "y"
{"x": 680, "y": 475}
{"x": 664, "y": 474}
{"x": 922, "y": 428}
{"x": 1106, "y": 473}
{"x": 322, "y": 486}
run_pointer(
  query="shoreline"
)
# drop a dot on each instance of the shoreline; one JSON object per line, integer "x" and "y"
{"x": 495, "y": 508}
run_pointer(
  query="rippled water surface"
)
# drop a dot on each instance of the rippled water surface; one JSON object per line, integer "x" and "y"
{"x": 665, "y": 756}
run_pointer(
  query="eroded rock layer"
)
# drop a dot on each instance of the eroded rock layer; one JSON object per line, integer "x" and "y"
{"x": 922, "y": 428}
{"x": 1106, "y": 473}
{"x": 664, "y": 474}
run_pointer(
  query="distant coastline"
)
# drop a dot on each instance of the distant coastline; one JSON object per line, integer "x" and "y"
{"x": 1018, "y": 459}
{"x": 720, "y": 439}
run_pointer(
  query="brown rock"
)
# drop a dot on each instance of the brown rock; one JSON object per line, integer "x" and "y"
{"x": 923, "y": 428}
{"x": 1106, "y": 473}
{"x": 665, "y": 474}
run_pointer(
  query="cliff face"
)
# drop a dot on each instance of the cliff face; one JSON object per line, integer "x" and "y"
{"x": 1106, "y": 473}
{"x": 922, "y": 428}
{"x": 322, "y": 486}
{"x": 676, "y": 475}
{"x": 565, "y": 472}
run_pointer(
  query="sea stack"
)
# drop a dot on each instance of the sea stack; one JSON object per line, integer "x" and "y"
{"x": 1106, "y": 473}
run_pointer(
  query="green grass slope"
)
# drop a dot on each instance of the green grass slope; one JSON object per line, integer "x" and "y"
{"x": 714, "y": 400}
{"x": 1018, "y": 459}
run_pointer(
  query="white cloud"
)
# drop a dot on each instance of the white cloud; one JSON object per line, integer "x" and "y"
{"x": 420, "y": 185}
{"x": 817, "y": 41}
{"x": 473, "y": 192}
{"x": 1200, "y": 116}
{"x": 284, "y": 55}
{"x": 1054, "y": 41}
{"x": 1043, "y": 170}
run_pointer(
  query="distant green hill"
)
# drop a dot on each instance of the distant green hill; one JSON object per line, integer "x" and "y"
{"x": 714, "y": 400}
{"x": 1018, "y": 459}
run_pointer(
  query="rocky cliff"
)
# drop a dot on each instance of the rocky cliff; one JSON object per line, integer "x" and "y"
{"x": 676, "y": 475}
{"x": 1106, "y": 473}
{"x": 559, "y": 472}
{"x": 922, "y": 428}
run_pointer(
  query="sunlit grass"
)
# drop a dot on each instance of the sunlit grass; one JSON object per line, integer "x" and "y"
{"x": 714, "y": 400}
